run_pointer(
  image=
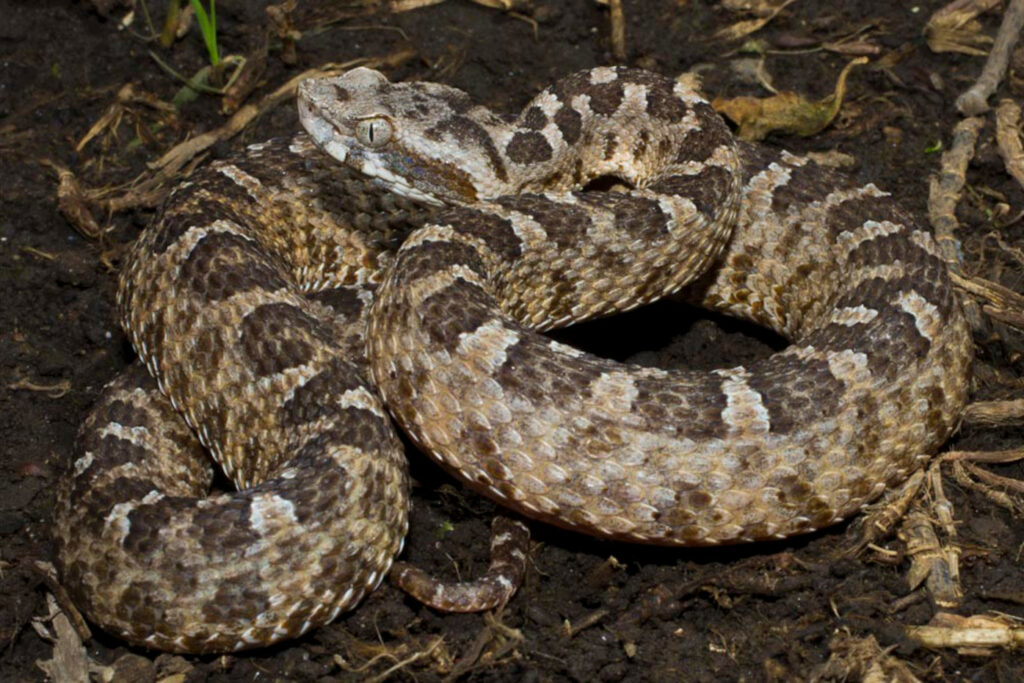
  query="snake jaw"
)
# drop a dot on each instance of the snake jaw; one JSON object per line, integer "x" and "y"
{"x": 326, "y": 135}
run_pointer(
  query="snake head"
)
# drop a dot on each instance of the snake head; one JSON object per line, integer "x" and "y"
{"x": 425, "y": 141}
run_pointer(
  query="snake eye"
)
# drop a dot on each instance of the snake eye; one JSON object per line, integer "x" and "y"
{"x": 375, "y": 132}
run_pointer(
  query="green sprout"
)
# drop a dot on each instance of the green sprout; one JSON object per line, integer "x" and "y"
{"x": 208, "y": 27}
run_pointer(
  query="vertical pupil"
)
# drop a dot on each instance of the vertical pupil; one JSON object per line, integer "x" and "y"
{"x": 369, "y": 132}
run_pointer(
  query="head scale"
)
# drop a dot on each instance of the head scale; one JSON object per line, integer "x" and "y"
{"x": 421, "y": 140}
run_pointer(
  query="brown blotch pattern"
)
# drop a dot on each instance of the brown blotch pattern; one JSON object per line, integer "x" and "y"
{"x": 470, "y": 134}
{"x": 564, "y": 223}
{"x": 528, "y": 147}
{"x": 707, "y": 190}
{"x": 316, "y": 399}
{"x": 456, "y": 310}
{"x": 605, "y": 98}
{"x": 535, "y": 118}
{"x": 224, "y": 264}
{"x": 278, "y": 336}
{"x": 794, "y": 390}
{"x": 494, "y": 231}
{"x": 529, "y": 372}
{"x": 659, "y": 404}
{"x": 570, "y": 124}
{"x": 432, "y": 257}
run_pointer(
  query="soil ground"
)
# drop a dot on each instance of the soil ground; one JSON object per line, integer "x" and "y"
{"x": 588, "y": 610}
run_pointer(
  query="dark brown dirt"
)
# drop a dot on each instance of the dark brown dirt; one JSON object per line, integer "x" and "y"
{"x": 777, "y": 611}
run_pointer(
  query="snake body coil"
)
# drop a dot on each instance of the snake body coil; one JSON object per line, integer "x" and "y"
{"x": 270, "y": 379}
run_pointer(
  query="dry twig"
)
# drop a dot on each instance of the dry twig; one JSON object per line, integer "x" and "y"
{"x": 975, "y": 100}
{"x": 862, "y": 659}
{"x": 976, "y": 635}
{"x": 954, "y": 28}
{"x": 765, "y": 11}
{"x": 943, "y": 195}
{"x": 617, "y": 20}
{"x": 1008, "y": 139}
{"x": 932, "y": 562}
{"x": 1003, "y": 303}
{"x": 945, "y": 188}
{"x": 995, "y": 413}
{"x": 883, "y": 516}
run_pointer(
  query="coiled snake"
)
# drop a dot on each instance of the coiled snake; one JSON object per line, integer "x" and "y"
{"x": 248, "y": 297}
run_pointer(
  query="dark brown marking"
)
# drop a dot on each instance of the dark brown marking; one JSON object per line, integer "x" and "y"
{"x": 637, "y": 216}
{"x": 211, "y": 196}
{"x": 796, "y": 391}
{"x": 660, "y": 403}
{"x": 663, "y": 104}
{"x": 528, "y": 147}
{"x": 317, "y": 398}
{"x": 344, "y": 302}
{"x": 223, "y": 264}
{"x": 891, "y": 340}
{"x": 570, "y": 123}
{"x": 535, "y": 118}
{"x": 430, "y": 257}
{"x": 700, "y": 145}
{"x": 469, "y": 134}
{"x": 278, "y": 336}
{"x": 706, "y": 190}
{"x": 605, "y": 98}
{"x": 458, "y": 309}
{"x": 565, "y": 224}
{"x": 852, "y": 213}
{"x": 529, "y": 371}
{"x": 494, "y": 231}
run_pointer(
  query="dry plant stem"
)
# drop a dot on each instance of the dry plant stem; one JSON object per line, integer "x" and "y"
{"x": 70, "y": 661}
{"x": 955, "y": 29}
{"x": 1008, "y": 139}
{"x": 945, "y": 188}
{"x": 385, "y": 675}
{"x": 929, "y": 561}
{"x": 994, "y": 479}
{"x": 860, "y": 659}
{"x": 1009, "y": 455}
{"x": 502, "y": 640}
{"x": 73, "y": 202}
{"x": 944, "y": 580}
{"x": 399, "y": 6}
{"x": 943, "y": 194}
{"x": 883, "y": 517}
{"x": 997, "y": 489}
{"x": 976, "y": 634}
{"x": 941, "y": 506}
{"x": 975, "y": 100}
{"x": 617, "y": 18}
{"x": 48, "y": 573}
{"x": 995, "y": 413}
{"x": 1003, "y": 491}
{"x": 971, "y": 7}
{"x": 1003, "y": 303}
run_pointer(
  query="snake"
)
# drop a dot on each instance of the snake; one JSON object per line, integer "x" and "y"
{"x": 400, "y": 259}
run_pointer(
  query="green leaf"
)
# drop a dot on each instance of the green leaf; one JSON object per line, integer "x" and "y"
{"x": 208, "y": 27}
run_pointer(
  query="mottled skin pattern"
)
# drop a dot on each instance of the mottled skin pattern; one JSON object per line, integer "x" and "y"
{"x": 510, "y": 540}
{"x": 873, "y": 382}
{"x": 271, "y": 381}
